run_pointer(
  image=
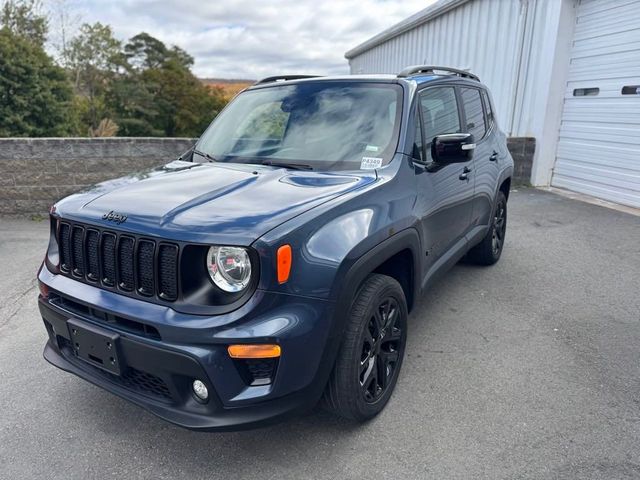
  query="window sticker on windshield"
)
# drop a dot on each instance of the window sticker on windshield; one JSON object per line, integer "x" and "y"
{"x": 372, "y": 148}
{"x": 369, "y": 163}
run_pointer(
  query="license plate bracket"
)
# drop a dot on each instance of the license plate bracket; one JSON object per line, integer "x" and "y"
{"x": 95, "y": 345}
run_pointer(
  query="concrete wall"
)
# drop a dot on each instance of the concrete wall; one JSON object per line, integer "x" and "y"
{"x": 36, "y": 172}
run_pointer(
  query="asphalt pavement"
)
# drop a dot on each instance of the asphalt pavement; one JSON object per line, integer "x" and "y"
{"x": 528, "y": 369}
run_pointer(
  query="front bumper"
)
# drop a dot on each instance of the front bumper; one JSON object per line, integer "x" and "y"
{"x": 160, "y": 361}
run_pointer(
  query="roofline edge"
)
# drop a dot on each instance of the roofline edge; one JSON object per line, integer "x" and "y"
{"x": 423, "y": 16}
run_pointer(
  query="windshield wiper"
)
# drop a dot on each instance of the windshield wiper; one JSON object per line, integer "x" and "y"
{"x": 293, "y": 166}
{"x": 208, "y": 156}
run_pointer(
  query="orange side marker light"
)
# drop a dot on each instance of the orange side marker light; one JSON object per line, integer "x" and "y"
{"x": 284, "y": 263}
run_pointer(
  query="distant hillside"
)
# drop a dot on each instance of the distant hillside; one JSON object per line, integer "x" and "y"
{"x": 230, "y": 87}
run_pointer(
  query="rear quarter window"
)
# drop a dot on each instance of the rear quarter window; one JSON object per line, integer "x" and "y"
{"x": 488, "y": 109}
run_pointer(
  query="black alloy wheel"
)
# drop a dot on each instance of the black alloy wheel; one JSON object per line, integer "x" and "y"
{"x": 489, "y": 249}
{"x": 499, "y": 227}
{"x": 380, "y": 346}
{"x": 370, "y": 357}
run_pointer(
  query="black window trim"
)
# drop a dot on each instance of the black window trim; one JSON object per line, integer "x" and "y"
{"x": 420, "y": 121}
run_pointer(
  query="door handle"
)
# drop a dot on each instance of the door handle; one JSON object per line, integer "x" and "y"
{"x": 465, "y": 174}
{"x": 493, "y": 157}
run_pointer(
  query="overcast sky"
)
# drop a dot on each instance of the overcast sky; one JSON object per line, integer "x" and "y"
{"x": 252, "y": 39}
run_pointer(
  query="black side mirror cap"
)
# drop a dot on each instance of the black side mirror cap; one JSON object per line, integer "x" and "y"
{"x": 452, "y": 148}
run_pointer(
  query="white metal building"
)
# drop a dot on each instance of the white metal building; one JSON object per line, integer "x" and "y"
{"x": 566, "y": 72}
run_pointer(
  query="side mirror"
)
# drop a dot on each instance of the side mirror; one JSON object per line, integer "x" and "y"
{"x": 452, "y": 148}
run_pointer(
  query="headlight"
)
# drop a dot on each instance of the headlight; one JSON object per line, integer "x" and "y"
{"x": 229, "y": 268}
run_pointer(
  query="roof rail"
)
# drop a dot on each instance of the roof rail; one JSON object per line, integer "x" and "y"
{"x": 416, "y": 69}
{"x": 282, "y": 78}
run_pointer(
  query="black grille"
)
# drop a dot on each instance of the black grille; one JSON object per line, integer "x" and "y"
{"x": 77, "y": 255}
{"x": 258, "y": 371}
{"x": 125, "y": 263}
{"x": 108, "y": 255}
{"x": 168, "y": 272}
{"x": 64, "y": 241}
{"x": 145, "y": 268}
{"x": 119, "y": 261}
{"x": 103, "y": 317}
{"x": 144, "y": 382}
{"x": 261, "y": 368}
{"x": 93, "y": 259}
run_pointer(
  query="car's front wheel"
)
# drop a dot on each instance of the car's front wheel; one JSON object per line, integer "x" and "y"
{"x": 371, "y": 353}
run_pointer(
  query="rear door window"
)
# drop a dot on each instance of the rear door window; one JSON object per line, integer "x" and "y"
{"x": 439, "y": 114}
{"x": 474, "y": 112}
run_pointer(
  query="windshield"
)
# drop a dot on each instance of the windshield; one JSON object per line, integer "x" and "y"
{"x": 319, "y": 125}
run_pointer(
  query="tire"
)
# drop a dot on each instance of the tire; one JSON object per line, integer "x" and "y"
{"x": 372, "y": 350}
{"x": 489, "y": 250}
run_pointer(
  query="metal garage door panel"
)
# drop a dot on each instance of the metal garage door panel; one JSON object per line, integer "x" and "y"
{"x": 599, "y": 143}
{"x": 598, "y": 136}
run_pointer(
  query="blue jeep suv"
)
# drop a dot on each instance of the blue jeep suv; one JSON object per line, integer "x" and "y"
{"x": 275, "y": 263}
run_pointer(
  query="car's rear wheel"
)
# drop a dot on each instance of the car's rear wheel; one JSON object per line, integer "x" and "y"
{"x": 371, "y": 353}
{"x": 489, "y": 250}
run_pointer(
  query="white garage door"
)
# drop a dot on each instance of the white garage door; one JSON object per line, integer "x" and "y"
{"x": 599, "y": 145}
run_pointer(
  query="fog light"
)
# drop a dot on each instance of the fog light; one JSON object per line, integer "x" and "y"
{"x": 200, "y": 390}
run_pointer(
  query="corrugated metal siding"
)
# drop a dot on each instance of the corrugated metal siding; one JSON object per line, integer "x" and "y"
{"x": 485, "y": 36}
{"x": 599, "y": 145}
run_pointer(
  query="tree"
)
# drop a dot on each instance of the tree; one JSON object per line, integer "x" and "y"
{"x": 159, "y": 95}
{"x": 144, "y": 52}
{"x": 134, "y": 107}
{"x": 181, "y": 57}
{"x": 63, "y": 21}
{"x": 93, "y": 58}
{"x": 23, "y": 18}
{"x": 35, "y": 94}
{"x": 186, "y": 106}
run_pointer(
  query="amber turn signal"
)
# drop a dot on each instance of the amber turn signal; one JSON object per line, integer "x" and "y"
{"x": 284, "y": 263}
{"x": 254, "y": 351}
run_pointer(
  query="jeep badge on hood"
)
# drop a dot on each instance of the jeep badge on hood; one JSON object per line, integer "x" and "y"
{"x": 114, "y": 217}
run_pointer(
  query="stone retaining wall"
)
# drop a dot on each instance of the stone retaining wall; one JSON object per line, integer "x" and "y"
{"x": 36, "y": 172}
{"x": 522, "y": 150}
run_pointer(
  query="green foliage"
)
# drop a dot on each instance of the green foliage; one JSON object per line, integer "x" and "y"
{"x": 134, "y": 107}
{"x": 145, "y": 52}
{"x": 158, "y": 94}
{"x": 35, "y": 94}
{"x": 93, "y": 58}
{"x": 23, "y": 19}
{"x": 143, "y": 88}
{"x": 185, "y": 106}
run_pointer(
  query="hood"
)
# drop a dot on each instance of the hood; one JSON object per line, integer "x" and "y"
{"x": 231, "y": 204}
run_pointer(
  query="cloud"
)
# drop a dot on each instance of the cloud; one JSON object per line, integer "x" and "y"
{"x": 252, "y": 39}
